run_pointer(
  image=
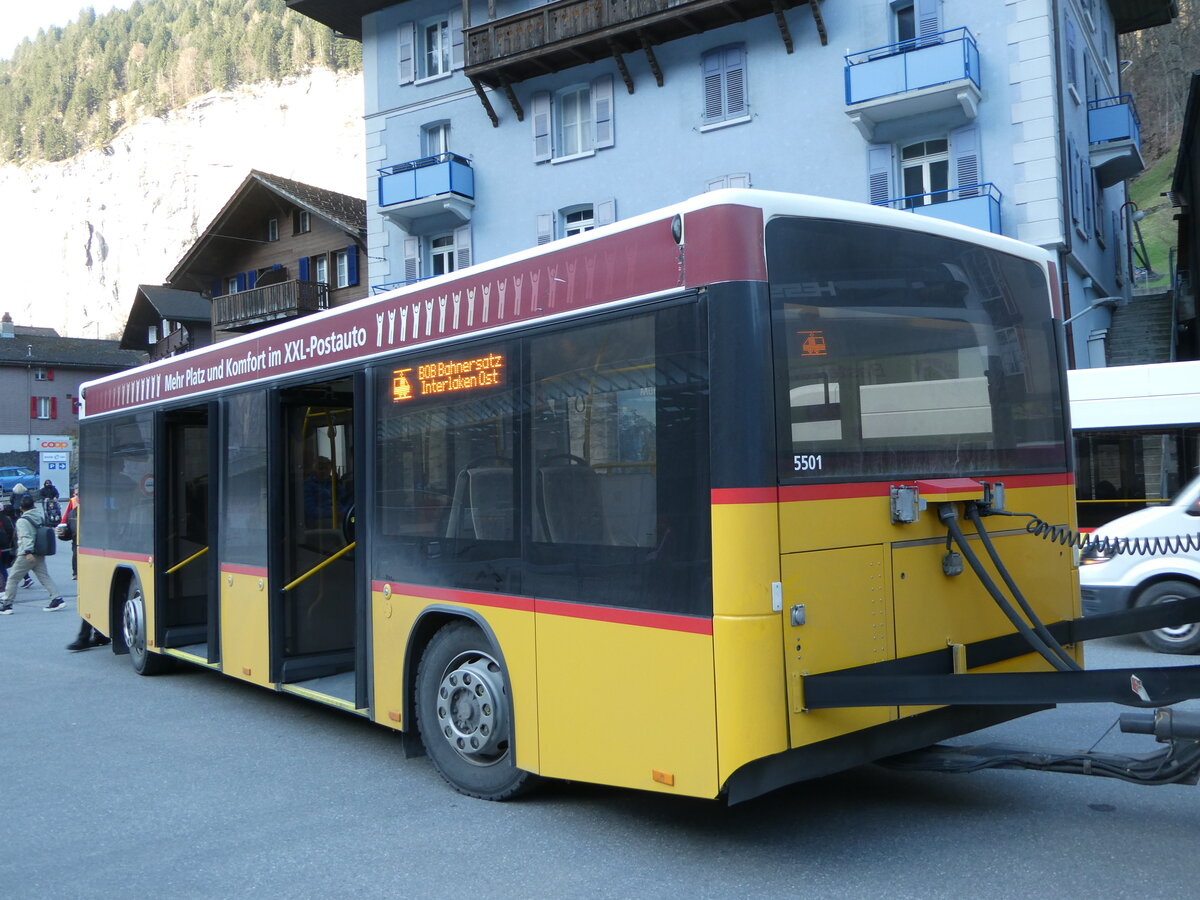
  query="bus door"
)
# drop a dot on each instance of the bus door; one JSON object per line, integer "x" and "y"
{"x": 317, "y": 619}
{"x": 186, "y": 614}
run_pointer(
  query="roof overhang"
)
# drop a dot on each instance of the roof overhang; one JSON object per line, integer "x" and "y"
{"x": 343, "y": 16}
{"x": 1134, "y": 15}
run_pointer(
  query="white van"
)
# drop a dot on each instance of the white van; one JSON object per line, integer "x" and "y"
{"x": 1115, "y": 583}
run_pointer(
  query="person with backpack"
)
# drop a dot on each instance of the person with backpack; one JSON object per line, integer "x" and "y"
{"x": 35, "y": 541}
{"x": 8, "y": 537}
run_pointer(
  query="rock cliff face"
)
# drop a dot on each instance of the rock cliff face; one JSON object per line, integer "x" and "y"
{"x": 77, "y": 237}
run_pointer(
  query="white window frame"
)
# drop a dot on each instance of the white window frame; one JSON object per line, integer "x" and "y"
{"x": 439, "y": 48}
{"x": 43, "y": 407}
{"x": 272, "y": 229}
{"x": 231, "y": 285}
{"x": 575, "y": 220}
{"x": 41, "y": 374}
{"x": 303, "y": 221}
{"x": 319, "y": 269}
{"x": 341, "y": 269}
{"x": 924, "y": 163}
{"x": 580, "y": 96}
{"x": 435, "y": 138}
{"x": 441, "y": 247}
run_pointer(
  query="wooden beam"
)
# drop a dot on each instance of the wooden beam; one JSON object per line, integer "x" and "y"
{"x": 820, "y": 22}
{"x": 487, "y": 104}
{"x": 512, "y": 98}
{"x": 621, "y": 67}
{"x": 783, "y": 25}
{"x": 650, "y": 58}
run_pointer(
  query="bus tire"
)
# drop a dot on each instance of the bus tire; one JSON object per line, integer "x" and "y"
{"x": 464, "y": 713}
{"x": 1182, "y": 638}
{"x": 133, "y": 634}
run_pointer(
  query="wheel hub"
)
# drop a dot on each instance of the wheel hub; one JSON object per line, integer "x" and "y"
{"x": 470, "y": 709}
{"x": 131, "y": 625}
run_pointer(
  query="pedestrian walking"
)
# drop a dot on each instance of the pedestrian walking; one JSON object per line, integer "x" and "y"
{"x": 27, "y": 561}
{"x": 8, "y": 540}
{"x": 10, "y": 544}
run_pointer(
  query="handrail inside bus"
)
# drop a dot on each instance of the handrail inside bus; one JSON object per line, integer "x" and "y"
{"x": 319, "y": 566}
{"x": 179, "y": 565}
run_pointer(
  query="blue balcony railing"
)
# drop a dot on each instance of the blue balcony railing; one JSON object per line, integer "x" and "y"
{"x": 977, "y": 205}
{"x": 923, "y": 62}
{"x": 1114, "y": 119}
{"x": 445, "y": 173}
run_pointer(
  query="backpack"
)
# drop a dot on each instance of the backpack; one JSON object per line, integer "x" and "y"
{"x": 43, "y": 539}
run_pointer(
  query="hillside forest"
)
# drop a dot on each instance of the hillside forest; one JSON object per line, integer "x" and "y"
{"x": 72, "y": 88}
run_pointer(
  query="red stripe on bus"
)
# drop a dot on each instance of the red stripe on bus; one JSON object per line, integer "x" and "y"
{"x": 723, "y": 496}
{"x": 662, "y": 621}
{"x": 235, "y": 569}
{"x": 116, "y": 554}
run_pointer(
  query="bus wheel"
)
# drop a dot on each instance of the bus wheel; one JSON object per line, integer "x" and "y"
{"x": 1181, "y": 638}
{"x": 133, "y": 632}
{"x": 464, "y": 712}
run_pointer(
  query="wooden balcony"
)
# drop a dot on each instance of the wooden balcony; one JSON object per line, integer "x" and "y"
{"x": 570, "y": 33}
{"x": 178, "y": 341}
{"x": 247, "y": 310}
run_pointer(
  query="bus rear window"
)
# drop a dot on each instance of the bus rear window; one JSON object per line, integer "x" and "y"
{"x": 903, "y": 354}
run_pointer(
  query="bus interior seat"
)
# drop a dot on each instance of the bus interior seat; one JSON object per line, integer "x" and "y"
{"x": 571, "y": 506}
{"x": 482, "y": 506}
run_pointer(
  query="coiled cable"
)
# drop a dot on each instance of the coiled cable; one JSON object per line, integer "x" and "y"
{"x": 1173, "y": 545}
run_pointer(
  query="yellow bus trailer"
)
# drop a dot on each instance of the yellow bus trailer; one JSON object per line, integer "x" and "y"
{"x": 691, "y": 503}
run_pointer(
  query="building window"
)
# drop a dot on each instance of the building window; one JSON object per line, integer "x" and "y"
{"x": 301, "y": 222}
{"x": 925, "y": 168}
{"x": 320, "y": 269}
{"x": 724, "y": 76}
{"x": 574, "y": 120}
{"x": 43, "y": 407}
{"x": 435, "y": 139}
{"x": 578, "y": 220}
{"x": 435, "y": 48}
{"x": 441, "y": 254}
{"x": 231, "y": 284}
{"x": 345, "y": 267}
{"x": 43, "y": 374}
{"x": 904, "y": 21}
{"x": 272, "y": 229}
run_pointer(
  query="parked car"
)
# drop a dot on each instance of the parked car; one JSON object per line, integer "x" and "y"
{"x": 1111, "y": 583}
{"x": 11, "y": 476}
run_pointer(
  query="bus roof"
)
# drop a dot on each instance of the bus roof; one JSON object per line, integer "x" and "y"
{"x": 721, "y": 240}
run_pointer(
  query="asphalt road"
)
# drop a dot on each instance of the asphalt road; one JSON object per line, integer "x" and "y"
{"x": 195, "y": 785}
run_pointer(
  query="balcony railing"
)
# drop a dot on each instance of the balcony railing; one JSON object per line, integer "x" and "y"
{"x": 1114, "y": 119}
{"x": 906, "y": 66}
{"x": 1115, "y": 139}
{"x": 977, "y": 205}
{"x": 570, "y": 33}
{"x": 178, "y": 341}
{"x": 445, "y": 173}
{"x": 272, "y": 303}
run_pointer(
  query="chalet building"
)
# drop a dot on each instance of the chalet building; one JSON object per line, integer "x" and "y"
{"x": 278, "y": 249}
{"x": 494, "y": 126}
{"x": 165, "y": 322}
{"x": 40, "y": 375}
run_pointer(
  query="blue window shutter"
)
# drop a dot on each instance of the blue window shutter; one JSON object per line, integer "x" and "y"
{"x": 241, "y": 281}
{"x": 965, "y": 160}
{"x": 462, "y": 247}
{"x": 251, "y": 279}
{"x": 1071, "y": 72}
{"x": 302, "y": 268}
{"x": 216, "y": 287}
{"x": 352, "y": 264}
{"x": 713, "y": 68}
{"x": 879, "y": 173}
{"x": 406, "y": 60}
{"x": 543, "y": 148}
{"x": 412, "y": 259}
{"x": 602, "y": 111}
{"x": 545, "y": 227}
{"x": 735, "y": 82}
{"x": 929, "y": 20}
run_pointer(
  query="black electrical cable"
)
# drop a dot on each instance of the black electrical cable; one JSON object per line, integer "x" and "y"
{"x": 948, "y": 516}
{"x": 1173, "y": 545}
{"x": 1038, "y": 626}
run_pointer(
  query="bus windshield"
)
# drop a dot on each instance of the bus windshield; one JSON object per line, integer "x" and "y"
{"x": 903, "y": 354}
